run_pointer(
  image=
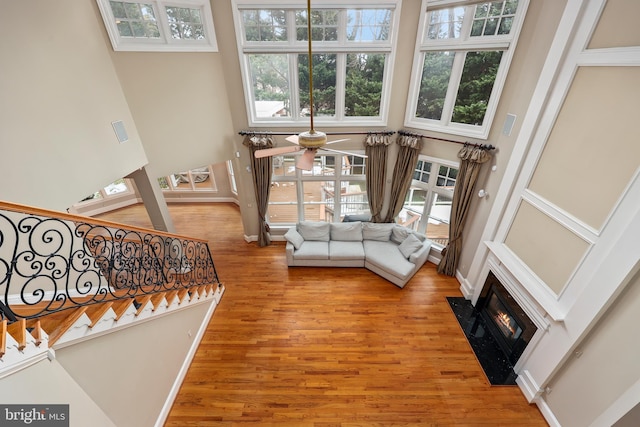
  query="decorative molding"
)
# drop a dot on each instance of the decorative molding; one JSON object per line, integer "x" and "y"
{"x": 531, "y": 390}
{"x": 529, "y": 281}
{"x": 547, "y": 413}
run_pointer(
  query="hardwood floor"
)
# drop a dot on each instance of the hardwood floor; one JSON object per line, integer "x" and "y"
{"x": 327, "y": 346}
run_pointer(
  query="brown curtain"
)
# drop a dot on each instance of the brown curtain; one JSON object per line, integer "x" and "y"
{"x": 376, "y": 149}
{"x": 261, "y": 172}
{"x": 406, "y": 162}
{"x": 471, "y": 160}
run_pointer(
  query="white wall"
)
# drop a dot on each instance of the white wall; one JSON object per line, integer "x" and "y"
{"x": 48, "y": 383}
{"x": 130, "y": 373}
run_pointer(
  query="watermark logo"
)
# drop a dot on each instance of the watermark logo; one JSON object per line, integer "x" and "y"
{"x": 34, "y": 415}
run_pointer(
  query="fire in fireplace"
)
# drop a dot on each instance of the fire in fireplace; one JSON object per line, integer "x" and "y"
{"x": 505, "y": 319}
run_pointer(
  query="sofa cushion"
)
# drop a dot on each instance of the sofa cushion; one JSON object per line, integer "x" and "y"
{"x": 399, "y": 233}
{"x": 409, "y": 245}
{"x": 346, "y": 231}
{"x": 387, "y": 257}
{"x": 294, "y": 238}
{"x": 314, "y": 231}
{"x": 340, "y": 250}
{"x": 312, "y": 250}
{"x": 376, "y": 231}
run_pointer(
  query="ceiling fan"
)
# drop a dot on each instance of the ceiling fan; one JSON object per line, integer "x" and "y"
{"x": 311, "y": 140}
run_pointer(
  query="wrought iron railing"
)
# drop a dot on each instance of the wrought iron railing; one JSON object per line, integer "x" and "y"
{"x": 51, "y": 262}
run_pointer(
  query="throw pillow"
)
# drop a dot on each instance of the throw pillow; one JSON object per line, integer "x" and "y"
{"x": 346, "y": 231}
{"x": 294, "y": 238}
{"x": 377, "y": 231}
{"x": 399, "y": 233}
{"x": 409, "y": 245}
{"x": 314, "y": 231}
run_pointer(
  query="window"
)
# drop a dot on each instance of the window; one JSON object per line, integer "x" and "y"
{"x": 156, "y": 25}
{"x": 232, "y": 177}
{"x": 335, "y": 187}
{"x": 427, "y": 205}
{"x": 462, "y": 55}
{"x": 198, "y": 179}
{"x": 353, "y": 50}
{"x": 115, "y": 195}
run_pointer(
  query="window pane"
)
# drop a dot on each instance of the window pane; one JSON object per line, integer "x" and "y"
{"x": 324, "y": 25}
{"x": 435, "y": 82}
{"x": 445, "y": 23}
{"x": 353, "y": 198}
{"x": 493, "y": 18}
{"x": 199, "y": 179}
{"x": 476, "y": 84}
{"x": 283, "y": 206}
{"x": 368, "y": 25}
{"x": 422, "y": 171}
{"x": 323, "y": 165}
{"x": 185, "y": 23}
{"x": 353, "y": 165}
{"x": 316, "y": 196}
{"x": 265, "y": 25}
{"x": 447, "y": 177}
{"x": 270, "y": 77}
{"x": 284, "y": 165}
{"x": 135, "y": 19}
{"x": 119, "y": 186}
{"x": 363, "y": 91}
{"x": 324, "y": 84}
{"x": 438, "y": 221}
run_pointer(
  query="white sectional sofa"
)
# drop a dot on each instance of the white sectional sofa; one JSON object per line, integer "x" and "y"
{"x": 389, "y": 250}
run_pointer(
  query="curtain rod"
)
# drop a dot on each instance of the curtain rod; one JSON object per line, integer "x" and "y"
{"x": 483, "y": 146}
{"x": 252, "y": 132}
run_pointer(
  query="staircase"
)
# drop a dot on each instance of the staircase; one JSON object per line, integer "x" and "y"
{"x": 66, "y": 278}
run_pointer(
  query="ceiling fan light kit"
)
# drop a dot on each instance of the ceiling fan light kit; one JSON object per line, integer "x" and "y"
{"x": 312, "y": 139}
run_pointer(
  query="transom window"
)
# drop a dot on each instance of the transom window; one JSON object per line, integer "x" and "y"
{"x": 334, "y": 188}
{"x": 463, "y": 51}
{"x": 427, "y": 206}
{"x": 353, "y": 49}
{"x": 153, "y": 25}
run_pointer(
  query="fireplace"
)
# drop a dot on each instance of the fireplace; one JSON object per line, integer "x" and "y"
{"x": 497, "y": 329}
{"x": 505, "y": 319}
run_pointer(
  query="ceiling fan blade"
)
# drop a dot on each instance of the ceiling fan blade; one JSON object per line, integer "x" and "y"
{"x": 305, "y": 162}
{"x": 337, "y": 140}
{"x": 347, "y": 153}
{"x": 275, "y": 151}
{"x": 293, "y": 139}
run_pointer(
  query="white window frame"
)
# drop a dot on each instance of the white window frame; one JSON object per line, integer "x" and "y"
{"x": 431, "y": 188}
{"x": 165, "y": 43}
{"x": 301, "y": 177}
{"x": 339, "y": 47}
{"x": 506, "y": 43}
{"x": 173, "y": 184}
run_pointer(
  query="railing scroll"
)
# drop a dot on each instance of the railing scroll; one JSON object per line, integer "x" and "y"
{"x": 51, "y": 261}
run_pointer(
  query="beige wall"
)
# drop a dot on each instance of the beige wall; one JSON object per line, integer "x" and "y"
{"x": 617, "y": 15}
{"x": 588, "y": 160}
{"x": 548, "y": 249}
{"x": 129, "y": 373}
{"x": 60, "y": 94}
{"x": 607, "y": 365}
